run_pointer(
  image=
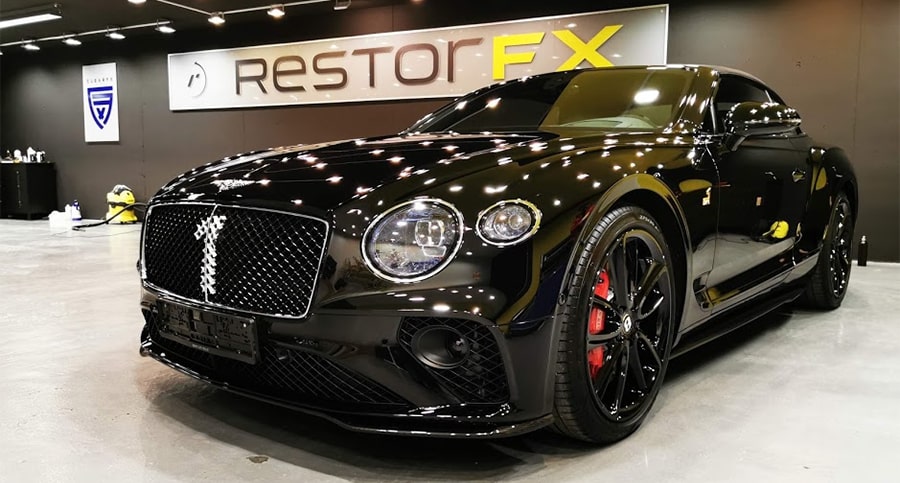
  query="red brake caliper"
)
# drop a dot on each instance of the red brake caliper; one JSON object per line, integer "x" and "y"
{"x": 596, "y": 323}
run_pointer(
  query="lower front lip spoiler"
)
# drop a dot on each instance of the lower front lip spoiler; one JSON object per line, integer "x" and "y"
{"x": 400, "y": 425}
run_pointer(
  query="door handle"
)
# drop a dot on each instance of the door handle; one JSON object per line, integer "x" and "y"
{"x": 798, "y": 175}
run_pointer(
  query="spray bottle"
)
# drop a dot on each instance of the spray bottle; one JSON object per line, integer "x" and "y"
{"x": 862, "y": 254}
{"x": 76, "y": 211}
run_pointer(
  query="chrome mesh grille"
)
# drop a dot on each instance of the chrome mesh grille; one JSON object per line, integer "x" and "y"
{"x": 265, "y": 262}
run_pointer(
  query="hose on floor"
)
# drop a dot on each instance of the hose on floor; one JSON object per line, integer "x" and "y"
{"x": 111, "y": 218}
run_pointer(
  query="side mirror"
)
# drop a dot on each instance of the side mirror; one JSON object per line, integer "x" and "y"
{"x": 749, "y": 119}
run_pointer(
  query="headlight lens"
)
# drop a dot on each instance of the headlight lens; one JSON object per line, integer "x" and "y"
{"x": 413, "y": 240}
{"x": 508, "y": 222}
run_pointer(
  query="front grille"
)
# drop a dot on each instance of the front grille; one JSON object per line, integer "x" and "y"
{"x": 482, "y": 377}
{"x": 257, "y": 261}
{"x": 291, "y": 375}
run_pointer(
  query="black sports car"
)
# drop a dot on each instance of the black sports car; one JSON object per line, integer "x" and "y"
{"x": 531, "y": 254}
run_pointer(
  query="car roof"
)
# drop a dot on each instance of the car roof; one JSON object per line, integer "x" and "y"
{"x": 695, "y": 67}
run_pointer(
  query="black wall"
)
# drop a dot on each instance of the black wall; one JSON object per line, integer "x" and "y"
{"x": 836, "y": 61}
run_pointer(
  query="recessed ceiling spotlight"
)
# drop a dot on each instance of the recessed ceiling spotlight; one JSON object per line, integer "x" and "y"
{"x": 276, "y": 11}
{"x": 217, "y": 18}
{"x": 30, "y": 46}
{"x": 71, "y": 41}
{"x": 137, "y": 2}
{"x": 341, "y": 4}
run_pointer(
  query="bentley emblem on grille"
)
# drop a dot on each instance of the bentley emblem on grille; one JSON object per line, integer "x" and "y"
{"x": 230, "y": 184}
{"x": 208, "y": 230}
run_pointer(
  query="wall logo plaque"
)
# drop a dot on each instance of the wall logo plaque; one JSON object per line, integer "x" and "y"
{"x": 101, "y": 111}
{"x": 444, "y": 62}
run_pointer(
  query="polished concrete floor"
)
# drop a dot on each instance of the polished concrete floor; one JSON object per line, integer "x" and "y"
{"x": 798, "y": 396}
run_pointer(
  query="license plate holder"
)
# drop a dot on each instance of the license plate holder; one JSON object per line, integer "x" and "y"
{"x": 216, "y": 333}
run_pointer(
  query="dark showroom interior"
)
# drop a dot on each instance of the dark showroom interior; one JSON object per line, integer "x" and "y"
{"x": 491, "y": 290}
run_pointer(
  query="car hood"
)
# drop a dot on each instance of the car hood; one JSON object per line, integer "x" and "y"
{"x": 323, "y": 176}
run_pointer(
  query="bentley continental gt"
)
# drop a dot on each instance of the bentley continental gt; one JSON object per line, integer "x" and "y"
{"x": 532, "y": 254}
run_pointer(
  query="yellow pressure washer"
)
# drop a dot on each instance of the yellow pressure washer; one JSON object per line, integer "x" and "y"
{"x": 120, "y": 201}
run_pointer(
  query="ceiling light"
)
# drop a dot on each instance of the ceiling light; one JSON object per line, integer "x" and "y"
{"x": 137, "y": 2}
{"x": 276, "y": 11}
{"x": 115, "y": 35}
{"x": 29, "y": 15}
{"x": 30, "y": 46}
{"x": 217, "y": 18}
{"x": 163, "y": 26}
{"x": 341, "y": 4}
{"x": 33, "y": 18}
{"x": 71, "y": 41}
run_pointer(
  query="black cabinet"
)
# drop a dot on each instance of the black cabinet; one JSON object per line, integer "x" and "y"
{"x": 27, "y": 189}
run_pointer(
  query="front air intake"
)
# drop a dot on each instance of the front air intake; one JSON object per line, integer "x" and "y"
{"x": 462, "y": 355}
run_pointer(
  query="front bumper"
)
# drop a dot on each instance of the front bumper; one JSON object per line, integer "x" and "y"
{"x": 358, "y": 370}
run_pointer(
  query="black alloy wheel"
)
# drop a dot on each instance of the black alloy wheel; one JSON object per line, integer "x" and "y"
{"x": 831, "y": 276}
{"x": 617, "y": 327}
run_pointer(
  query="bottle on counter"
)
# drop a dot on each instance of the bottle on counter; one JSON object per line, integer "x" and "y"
{"x": 76, "y": 211}
{"x": 862, "y": 254}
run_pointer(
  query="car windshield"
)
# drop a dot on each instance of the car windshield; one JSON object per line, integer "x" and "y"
{"x": 638, "y": 99}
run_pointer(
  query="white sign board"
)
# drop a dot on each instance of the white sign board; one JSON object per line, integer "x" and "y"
{"x": 101, "y": 103}
{"x": 445, "y": 62}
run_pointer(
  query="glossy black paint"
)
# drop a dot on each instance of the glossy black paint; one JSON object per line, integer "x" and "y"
{"x": 715, "y": 194}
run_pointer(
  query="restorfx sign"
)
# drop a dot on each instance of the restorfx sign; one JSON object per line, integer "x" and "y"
{"x": 101, "y": 105}
{"x": 443, "y": 62}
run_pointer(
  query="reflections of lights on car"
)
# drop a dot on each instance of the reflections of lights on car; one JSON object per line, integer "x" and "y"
{"x": 646, "y": 96}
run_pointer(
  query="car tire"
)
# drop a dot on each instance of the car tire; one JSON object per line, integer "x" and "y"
{"x": 828, "y": 283}
{"x": 613, "y": 349}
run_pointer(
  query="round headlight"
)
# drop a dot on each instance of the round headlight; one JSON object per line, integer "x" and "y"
{"x": 413, "y": 240}
{"x": 508, "y": 222}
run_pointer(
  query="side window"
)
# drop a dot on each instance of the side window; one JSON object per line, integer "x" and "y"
{"x": 735, "y": 90}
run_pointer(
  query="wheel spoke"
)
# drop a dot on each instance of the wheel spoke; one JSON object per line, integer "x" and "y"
{"x": 636, "y": 367}
{"x": 618, "y": 274}
{"x": 604, "y": 305}
{"x": 651, "y": 348}
{"x": 623, "y": 375}
{"x": 642, "y": 316}
{"x": 648, "y": 282}
{"x": 594, "y": 339}
{"x": 607, "y": 373}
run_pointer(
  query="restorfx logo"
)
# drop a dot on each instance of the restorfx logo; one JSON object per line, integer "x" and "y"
{"x": 288, "y": 73}
{"x": 196, "y": 82}
{"x": 100, "y": 94}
